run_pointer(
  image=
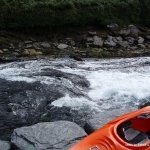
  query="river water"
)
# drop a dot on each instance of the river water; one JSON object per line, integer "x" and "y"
{"x": 91, "y": 86}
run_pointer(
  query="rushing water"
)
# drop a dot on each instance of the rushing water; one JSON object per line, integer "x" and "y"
{"x": 113, "y": 82}
{"x": 32, "y": 89}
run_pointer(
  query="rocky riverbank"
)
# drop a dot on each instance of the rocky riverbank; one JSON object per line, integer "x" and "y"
{"x": 115, "y": 41}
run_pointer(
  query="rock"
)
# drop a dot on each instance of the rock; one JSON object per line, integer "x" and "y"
{"x": 92, "y": 33}
{"x": 124, "y": 32}
{"x": 28, "y": 42}
{"x": 15, "y": 53}
{"x": 45, "y": 45}
{"x": 141, "y": 46}
{"x": 31, "y": 52}
{"x": 148, "y": 46}
{"x": 123, "y": 44}
{"x": 102, "y": 118}
{"x": 5, "y": 50}
{"x": 4, "y": 145}
{"x": 1, "y": 52}
{"x": 148, "y": 37}
{"x": 110, "y": 42}
{"x": 113, "y": 27}
{"x": 131, "y": 40}
{"x": 48, "y": 135}
{"x": 62, "y": 46}
{"x": 97, "y": 41}
{"x": 134, "y": 31}
{"x": 90, "y": 39}
{"x": 119, "y": 38}
{"x": 140, "y": 40}
{"x": 28, "y": 46}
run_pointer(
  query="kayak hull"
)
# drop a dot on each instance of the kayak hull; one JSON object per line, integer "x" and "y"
{"x": 107, "y": 138}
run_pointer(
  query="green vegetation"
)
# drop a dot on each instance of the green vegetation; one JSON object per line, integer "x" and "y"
{"x": 47, "y": 13}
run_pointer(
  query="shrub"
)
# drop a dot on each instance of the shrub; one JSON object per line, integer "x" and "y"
{"x": 42, "y": 13}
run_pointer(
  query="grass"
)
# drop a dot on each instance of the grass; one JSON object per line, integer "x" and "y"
{"x": 48, "y": 13}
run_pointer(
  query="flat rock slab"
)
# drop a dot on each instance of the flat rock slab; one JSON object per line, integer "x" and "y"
{"x": 100, "y": 119}
{"x": 47, "y": 136}
{"x": 4, "y": 145}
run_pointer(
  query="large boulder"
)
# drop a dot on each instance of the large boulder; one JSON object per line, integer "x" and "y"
{"x": 4, "y": 145}
{"x": 47, "y": 136}
{"x": 100, "y": 119}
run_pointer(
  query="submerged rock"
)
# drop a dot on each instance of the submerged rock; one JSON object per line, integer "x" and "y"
{"x": 48, "y": 135}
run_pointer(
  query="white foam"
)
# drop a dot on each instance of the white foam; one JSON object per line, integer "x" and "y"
{"x": 75, "y": 102}
{"x": 113, "y": 82}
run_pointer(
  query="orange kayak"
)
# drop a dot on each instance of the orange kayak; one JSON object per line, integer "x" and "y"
{"x": 128, "y": 132}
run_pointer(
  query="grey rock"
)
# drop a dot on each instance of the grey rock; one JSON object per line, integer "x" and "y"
{"x": 123, "y": 43}
{"x": 124, "y": 32}
{"x": 89, "y": 39}
{"x": 62, "y": 46}
{"x": 45, "y": 45}
{"x": 131, "y": 40}
{"x": 148, "y": 37}
{"x": 1, "y": 52}
{"x": 92, "y": 33}
{"x": 140, "y": 40}
{"x": 4, "y": 145}
{"x": 47, "y": 136}
{"x": 97, "y": 41}
{"x": 28, "y": 42}
{"x": 102, "y": 118}
{"x": 28, "y": 46}
{"x": 110, "y": 42}
{"x": 141, "y": 46}
{"x": 113, "y": 27}
{"x": 134, "y": 31}
{"x": 119, "y": 38}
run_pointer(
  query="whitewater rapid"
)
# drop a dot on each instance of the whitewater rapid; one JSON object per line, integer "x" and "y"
{"x": 114, "y": 83}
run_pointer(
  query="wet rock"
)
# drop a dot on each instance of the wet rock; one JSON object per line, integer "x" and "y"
{"x": 62, "y": 46}
{"x": 102, "y": 118}
{"x": 97, "y": 41}
{"x": 110, "y": 42}
{"x": 4, "y": 145}
{"x": 48, "y": 135}
{"x": 45, "y": 45}
{"x": 140, "y": 40}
